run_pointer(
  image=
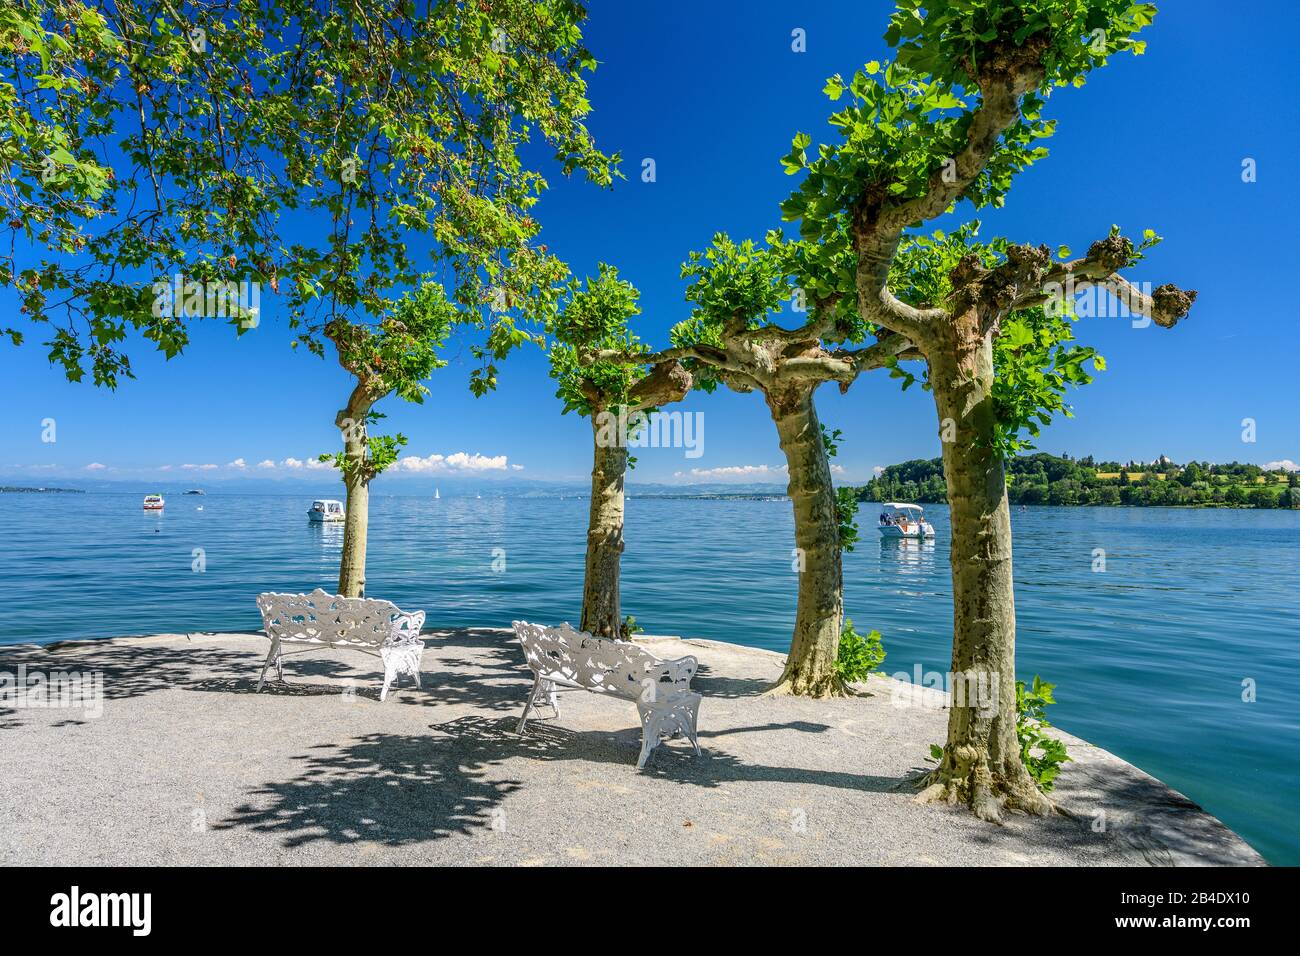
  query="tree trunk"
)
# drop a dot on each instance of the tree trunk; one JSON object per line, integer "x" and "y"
{"x": 981, "y": 764}
{"x": 601, "y": 613}
{"x": 356, "y": 480}
{"x": 810, "y": 666}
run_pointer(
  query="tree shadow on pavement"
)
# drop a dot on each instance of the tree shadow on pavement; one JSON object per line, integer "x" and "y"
{"x": 393, "y": 789}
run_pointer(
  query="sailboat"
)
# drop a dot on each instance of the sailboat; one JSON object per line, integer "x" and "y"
{"x": 436, "y": 494}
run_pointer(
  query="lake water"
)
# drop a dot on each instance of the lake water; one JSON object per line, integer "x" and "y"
{"x": 1149, "y": 656}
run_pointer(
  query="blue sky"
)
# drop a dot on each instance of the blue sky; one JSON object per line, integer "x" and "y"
{"x": 713, "y": 93}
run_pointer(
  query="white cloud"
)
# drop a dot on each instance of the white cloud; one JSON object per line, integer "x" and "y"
{"x": 735, "y": 472}
{"x": 878, "y": 470}
{"x": 266, "y": 463}
{"x": 297, "y": 464}
{"x": 459, "y": 462}
{"x": 198, "y": 467}
{"x": 1286, "y": 464}
{"x": 95, "y": 466}
{"x": 238, "y": 463}
{"x": 837, "y": 469}
{"x": 165, "y": 468}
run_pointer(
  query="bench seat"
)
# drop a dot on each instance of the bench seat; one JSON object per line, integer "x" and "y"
{"x": 564, "y": 657}
{"x": 320, "y": 619}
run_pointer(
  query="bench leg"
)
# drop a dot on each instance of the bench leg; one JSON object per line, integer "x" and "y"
{"x": 649, "y": 736}
{"x": 532, "y": 698}
{"x": 392, "y": 670}
{"x": 659, "y": 721}
{"x": 273, "y": 656}
{"x": 694, "y": 732}
{"x": 400, "y": 659}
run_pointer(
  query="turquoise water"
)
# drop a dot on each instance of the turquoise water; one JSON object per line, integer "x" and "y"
{"x": 1149, "y": 656}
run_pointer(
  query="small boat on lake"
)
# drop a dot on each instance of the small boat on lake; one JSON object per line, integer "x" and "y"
{"x": 325, "y": 509}
{"x": 195, "y": 491}
{"x": 899, "y": 520}
{"x": 153, "y": 502}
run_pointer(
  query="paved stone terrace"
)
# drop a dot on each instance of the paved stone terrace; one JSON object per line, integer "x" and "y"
{"x": 187, "y": 765}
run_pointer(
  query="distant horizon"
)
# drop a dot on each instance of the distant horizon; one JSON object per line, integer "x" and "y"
{"x": 314, "y": 480}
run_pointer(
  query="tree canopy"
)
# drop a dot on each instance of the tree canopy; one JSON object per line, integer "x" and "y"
{"x": 595, "y": 315}
{"x": 300, "y": 144}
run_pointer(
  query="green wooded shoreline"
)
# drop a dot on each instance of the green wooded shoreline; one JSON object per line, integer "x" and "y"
{"x": 1043, "y": 479}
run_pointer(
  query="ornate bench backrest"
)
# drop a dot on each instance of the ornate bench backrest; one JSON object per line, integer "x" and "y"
{"x": 605, "y": 666}
{"x": 324, "y": 618}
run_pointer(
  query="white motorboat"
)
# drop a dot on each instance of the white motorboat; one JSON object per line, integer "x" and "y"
{"x": 153, "y": 503}
{"x": 899, "y": 520}
{"x": 326, "y": 509}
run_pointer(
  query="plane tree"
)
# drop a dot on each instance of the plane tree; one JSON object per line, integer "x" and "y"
{"x": 953, "y": 118}
{"x": 733, "y": 338}
{"x": 615, "y": 394}
{"x": 344, "y": 154}
{"x": 393, "y": 356}
{"x": 410, "y": 131}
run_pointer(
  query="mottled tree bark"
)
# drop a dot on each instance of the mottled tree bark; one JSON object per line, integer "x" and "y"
{"x": 356, "y": 481}
{"x": 601, "y": 613}
{"x": 981, "y": 764}
{"x": 667, "y": 382}
{"x": 814, "y": 646}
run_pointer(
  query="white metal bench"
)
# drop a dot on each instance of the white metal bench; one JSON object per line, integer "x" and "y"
{"x": 321, "y": 619}
{"x": 661, "y": 690}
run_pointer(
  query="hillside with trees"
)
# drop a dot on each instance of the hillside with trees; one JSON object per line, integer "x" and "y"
{"x": 1043, "y": 479}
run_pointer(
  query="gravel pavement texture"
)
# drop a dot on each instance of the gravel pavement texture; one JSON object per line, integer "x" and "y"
{"x": 187, "y": 765}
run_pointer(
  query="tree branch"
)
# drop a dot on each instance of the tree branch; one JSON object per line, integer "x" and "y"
{"x": 999, "y": 108}
{"x": 707, "y": 354}
{"x": 668, "y": 382}
{"x": 845, "y": 365}
{"x": 878, "y": 226}
{"x": 1165, "y": 305}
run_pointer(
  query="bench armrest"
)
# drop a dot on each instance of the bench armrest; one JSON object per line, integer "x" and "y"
{"x": 406, "y": 627}
{"x": 681, "y": 670}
